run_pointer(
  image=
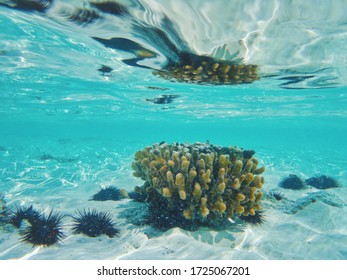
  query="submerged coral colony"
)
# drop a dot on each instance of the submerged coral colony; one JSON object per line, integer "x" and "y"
{"x": 192, "y": 185}
{"x": 186, "y": 185}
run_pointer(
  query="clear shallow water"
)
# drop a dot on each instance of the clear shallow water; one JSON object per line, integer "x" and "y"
{"x": 66, "y": 129}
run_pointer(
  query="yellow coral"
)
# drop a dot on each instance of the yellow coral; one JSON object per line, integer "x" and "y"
{"x": 170, "y": 179}
{"x": 204, "y": 211}
{"x": 240, "y": 197}
{"x": 184, "y": 166}
{"x": 209, "y": 162}
{"x": 207, "y": 176}
{"x": 155, "y": 182}
{"x": 258, "y": 197}
{"x": 187, "y": 213}
{"x": 180, "y": 181}
{"x": 240, "y": 209}
{"x": 183, "y": 195}
{"x": 237, "y": 167}
{"x": 203, "y": 208}
{"x": 257, "y": 207}
{"x": 236, "y": 184}
{"x": 209, "y": 182}
{"x": 221, "y": 187}
{"x": 257, "y": 182}
{"x": 201, "y": 164}
{"x": 248, "y": 166}
{"x": 197, "y": 191}
{"x": 249, "y": 178}
{"x": 223, "y": 161}
{"x": 221, "y": 207}
{"x": 191, "y": 176}
{"x": 259, "y": 170}
{"x": 167, "y": 192}
{"x": 221, "y": 174}
{"x": 215, "y": 66}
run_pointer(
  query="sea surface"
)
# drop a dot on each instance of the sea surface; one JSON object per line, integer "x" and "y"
{"x": 75, "y": 106}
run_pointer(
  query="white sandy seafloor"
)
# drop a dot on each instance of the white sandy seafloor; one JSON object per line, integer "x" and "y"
{"x": 296, "y": 228}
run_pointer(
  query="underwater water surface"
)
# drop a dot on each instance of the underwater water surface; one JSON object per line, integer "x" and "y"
{"x": 80, "y": 94}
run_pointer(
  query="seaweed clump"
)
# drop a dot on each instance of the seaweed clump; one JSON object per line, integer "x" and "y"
{"x": 199, "y": 184}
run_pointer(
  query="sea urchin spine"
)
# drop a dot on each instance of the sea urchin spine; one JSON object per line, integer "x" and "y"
{"x": 257, "y": 219}
{"x": 24, "y": 213}
{"x": 277, "y": 195}
{"x": 44, "y": 231}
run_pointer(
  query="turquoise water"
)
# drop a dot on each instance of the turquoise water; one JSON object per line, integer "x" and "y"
{"x": 67, "y": 129}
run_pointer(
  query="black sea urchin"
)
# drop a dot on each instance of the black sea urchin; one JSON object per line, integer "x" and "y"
{"x": 322, "y": 182}
{"x": 292, "y": 182}
{"x": 109, "y": 193}
{"x": 44, "y": 231}
{"x": 277, "y": 195}
{"x": 93, "y": 223}
{"x": 162, "y": 217}
{"x": 24, "y": 213}
{"x": 137, "y": 196}
{"x": 257, "y": 219}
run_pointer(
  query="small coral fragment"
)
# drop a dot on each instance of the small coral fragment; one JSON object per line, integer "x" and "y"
{"x": 258, "y": 197}
{"x": 236, "y": 184}
{"x": 203, "y": 207}
{"x": 183, "y": 195}
{"x": 257, "y": 182}
{"x": 221, "y": 187}
{"x": 240, "y": 210}
{"x": 187, "y": 213}
{"x": 221, "y": 207}
{"x": 167, "y": 192}
{"x": 197, "y": 191}
{"x": 170, "y": 179}
{"x": 237, "y": 167}
{"x": 240, "y": 197}
{"x": 259, "y": 170}
{"x": 248, "y": 166}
